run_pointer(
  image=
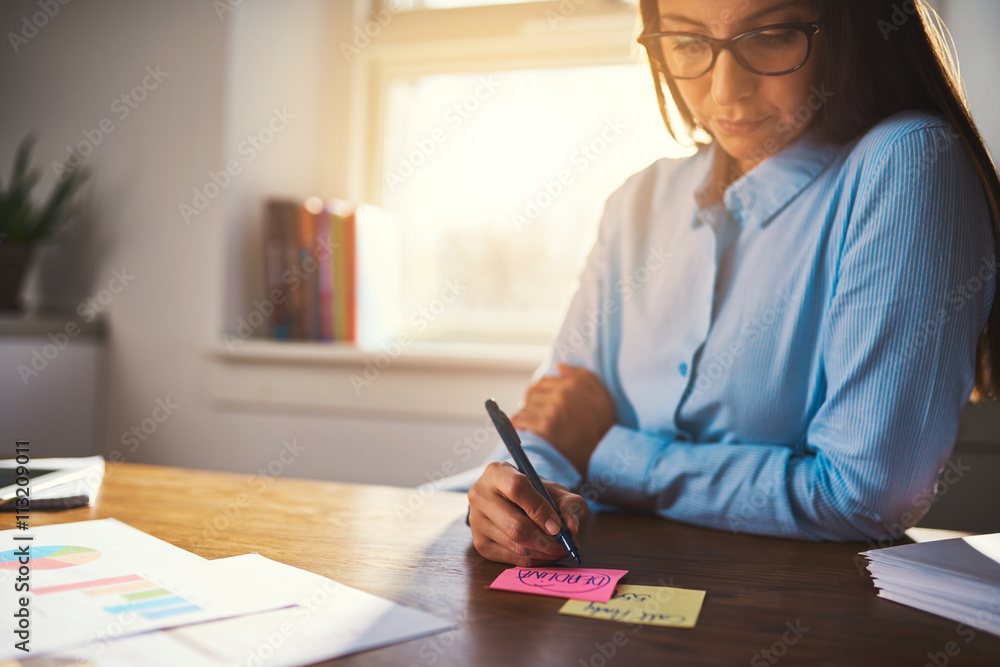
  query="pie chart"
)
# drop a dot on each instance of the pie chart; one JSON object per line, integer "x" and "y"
{"x": 50, "y": 558}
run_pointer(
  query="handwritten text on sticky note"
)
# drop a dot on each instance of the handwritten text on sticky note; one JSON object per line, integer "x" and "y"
{"x": 579, "y": 583}
{"x": 651, "y": 605}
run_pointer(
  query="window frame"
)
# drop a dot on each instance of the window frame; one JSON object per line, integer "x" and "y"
{"x": 532, "y": 35}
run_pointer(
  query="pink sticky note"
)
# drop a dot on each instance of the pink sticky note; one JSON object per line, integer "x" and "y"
{"x": 578, "y": 583}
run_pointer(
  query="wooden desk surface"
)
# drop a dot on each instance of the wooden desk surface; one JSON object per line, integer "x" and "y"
{"x": 417, "y": 551}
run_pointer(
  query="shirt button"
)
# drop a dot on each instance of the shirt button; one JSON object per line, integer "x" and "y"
{"x": 683, "y": 368}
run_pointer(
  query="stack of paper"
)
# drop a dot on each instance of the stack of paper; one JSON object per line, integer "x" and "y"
{"x": 102, "y": 593}
{"x": 957, "y": 578}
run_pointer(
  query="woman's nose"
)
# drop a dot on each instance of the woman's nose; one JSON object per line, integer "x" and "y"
{"x": 730, "y": 81}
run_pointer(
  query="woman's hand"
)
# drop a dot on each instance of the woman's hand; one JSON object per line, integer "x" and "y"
{"x": 571, "y": 411}
{"x": 502, "y": 532}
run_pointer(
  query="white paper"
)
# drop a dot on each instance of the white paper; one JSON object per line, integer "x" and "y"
{"x": 956, "y": 578}
{"x": 95, "y": 580}
{"x": 988, "y": 545}
{"x": 330, "y": 620}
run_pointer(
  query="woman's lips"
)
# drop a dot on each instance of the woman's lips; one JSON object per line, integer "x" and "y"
{"x": 744, "y": 127}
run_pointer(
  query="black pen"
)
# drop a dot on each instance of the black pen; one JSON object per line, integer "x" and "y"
{"x": 510, "y": 438}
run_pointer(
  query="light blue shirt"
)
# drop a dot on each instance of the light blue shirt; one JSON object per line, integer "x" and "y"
{"x": 792, "y": 361}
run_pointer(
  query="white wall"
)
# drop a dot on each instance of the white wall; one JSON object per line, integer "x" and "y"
{"x": 973, "y": 25}
{"x": 224, "y": 77}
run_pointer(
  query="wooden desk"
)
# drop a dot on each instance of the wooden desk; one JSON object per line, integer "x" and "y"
{"x": 367, "y": 537}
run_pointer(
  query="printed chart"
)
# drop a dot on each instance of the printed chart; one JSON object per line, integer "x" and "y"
{"x": 134, "y": 584}
{"x": 97, "y": 580}
{"x": 128, "y": 593}
{"x": 50, "y": 558}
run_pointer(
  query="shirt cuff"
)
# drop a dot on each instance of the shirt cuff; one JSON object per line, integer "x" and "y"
{"x": 545, "y": 459}
{"x": 618, "y": 471}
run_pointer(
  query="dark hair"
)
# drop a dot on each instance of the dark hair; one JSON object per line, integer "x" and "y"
{"x": 914, "y": 71}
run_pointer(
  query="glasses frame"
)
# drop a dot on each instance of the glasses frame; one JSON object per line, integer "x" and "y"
{"x": 810, "y": 30}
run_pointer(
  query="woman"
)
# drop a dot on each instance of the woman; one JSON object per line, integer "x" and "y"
{"x": 777, "y": 334}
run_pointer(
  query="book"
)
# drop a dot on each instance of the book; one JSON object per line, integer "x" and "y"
{"x": 350, "y": 278}
{"x": 295, "y": 304}
{"x": 378, "y": 284}
{"x": 338, "y": 269}
{"x": 308, "y": 271}
{"x": 274, "y": 262}
{"x": 325, "y": 275}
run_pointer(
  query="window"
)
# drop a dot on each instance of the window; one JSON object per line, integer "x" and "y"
{"x": 409, "y": 5}
{"x": 449, "y": 4}
{"x": 497, "y": 149}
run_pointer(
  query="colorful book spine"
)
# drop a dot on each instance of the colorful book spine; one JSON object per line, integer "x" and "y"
{"x": 310, "y": 252}
{"x": 330, "y": 287}
{"x": 274, "y": 263}
{"x": 325, "y": 276}
{"x": 340, "y": 295}
{"x": 351, "y": 278}
{"x": 292, "y": 286}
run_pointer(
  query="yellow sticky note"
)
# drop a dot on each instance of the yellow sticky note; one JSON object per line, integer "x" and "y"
{"x": 650, "y": 605}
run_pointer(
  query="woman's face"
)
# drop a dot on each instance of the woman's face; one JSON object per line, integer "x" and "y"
{"x": 751, "y": 116}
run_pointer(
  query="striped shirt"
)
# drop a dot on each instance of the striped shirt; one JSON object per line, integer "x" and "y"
{"x": 790, "y": 360}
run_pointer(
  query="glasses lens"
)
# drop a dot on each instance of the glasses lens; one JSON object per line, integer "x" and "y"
{"x": 681, "y": 55}
{"x": 774, "y": 51}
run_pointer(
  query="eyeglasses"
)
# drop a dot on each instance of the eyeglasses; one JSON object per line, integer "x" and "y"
{"x": 770, "y": 50}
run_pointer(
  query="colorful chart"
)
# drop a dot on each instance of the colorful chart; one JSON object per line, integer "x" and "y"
{"x": 49, "y": 558}
{"x": 137, "y": 595}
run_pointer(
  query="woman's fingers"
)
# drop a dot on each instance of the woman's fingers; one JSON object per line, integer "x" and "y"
{"x": 529, "y": 421}
{"x": 496, "y": 544}
{"x": 503, "y": 488}
{"x": 573, "y": 507}
{"x": 512, "y": 523}
{"x": 572, "y": 411}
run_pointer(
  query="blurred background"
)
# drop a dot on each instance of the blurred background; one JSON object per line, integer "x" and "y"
{"x": 492, "y": 131}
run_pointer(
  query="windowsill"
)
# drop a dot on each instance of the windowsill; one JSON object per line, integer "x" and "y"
{"x": 429, "y": 355}
{"x": 42, "y": 323}
{"x": 424, "y": 380}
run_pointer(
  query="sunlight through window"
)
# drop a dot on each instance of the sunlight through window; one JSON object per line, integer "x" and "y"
{"x": 500, "y": 179}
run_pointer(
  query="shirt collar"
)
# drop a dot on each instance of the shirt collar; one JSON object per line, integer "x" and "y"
{"x": 758, "y": 195}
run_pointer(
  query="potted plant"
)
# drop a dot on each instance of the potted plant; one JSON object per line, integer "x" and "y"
{"x": 24, "y": 224}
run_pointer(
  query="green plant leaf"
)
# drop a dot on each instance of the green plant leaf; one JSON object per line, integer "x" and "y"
{"x": 21, "y": 160}
{"x": 58, "y": 210}
{"x": 20, "y": 220}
